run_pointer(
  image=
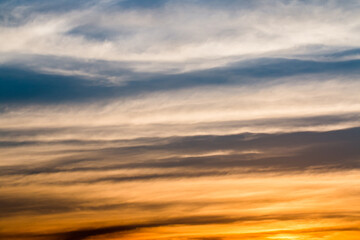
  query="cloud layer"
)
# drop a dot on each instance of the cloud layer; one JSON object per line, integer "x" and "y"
{"x": 181, "y": 120}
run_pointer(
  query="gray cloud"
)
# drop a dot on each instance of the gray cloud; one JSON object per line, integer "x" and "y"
{"x": 25, "y": 87}
{"x": 315, "y": 151}
{"x": 12, "y": 205}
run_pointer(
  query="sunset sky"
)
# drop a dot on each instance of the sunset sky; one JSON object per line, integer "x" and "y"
{"x": 180, "y": 120}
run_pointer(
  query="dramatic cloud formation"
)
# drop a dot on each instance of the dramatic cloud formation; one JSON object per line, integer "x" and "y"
{"x": 179, "y": 120}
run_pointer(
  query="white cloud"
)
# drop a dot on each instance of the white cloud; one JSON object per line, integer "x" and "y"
{"x": 200, "y": 111}
{"x": 179, "y": 33}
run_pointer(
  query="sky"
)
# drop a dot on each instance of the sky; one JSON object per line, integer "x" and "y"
{"x": 179, "y": 120}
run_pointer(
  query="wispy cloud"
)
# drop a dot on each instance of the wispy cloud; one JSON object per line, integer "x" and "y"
{"x": 169, "y": 32}
{"x": 182, "y": 120}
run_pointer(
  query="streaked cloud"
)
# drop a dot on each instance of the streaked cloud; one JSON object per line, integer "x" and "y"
{"x": 181, "y": 120}
{"x": 169, "y": 32}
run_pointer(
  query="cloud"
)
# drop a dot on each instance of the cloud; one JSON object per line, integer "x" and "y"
{"x": 27, "y": 205}
{"x": 203, "y": 156}
{"x": 179, "y": 119}
{"x": 81, "y": 135}
{"x": 82, "y": 234}
{"x": 267, "y": 107}
{"x": 28, "y": 87}
{"x": 169, "y": 32}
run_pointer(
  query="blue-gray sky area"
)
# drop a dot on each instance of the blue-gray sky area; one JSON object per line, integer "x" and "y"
{"x": 179, "y": 120}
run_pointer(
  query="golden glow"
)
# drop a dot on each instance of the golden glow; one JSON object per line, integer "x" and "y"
{"x": 250, "y": 207}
